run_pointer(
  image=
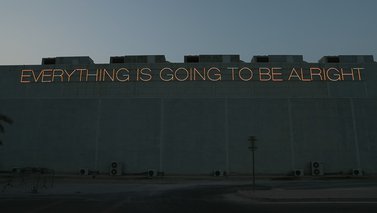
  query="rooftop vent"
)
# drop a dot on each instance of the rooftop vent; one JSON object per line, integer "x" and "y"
{"x": 278, "y": 59}
{"x": 48, "y": 61}
{"x": 212, "y": 59}
{"x": 191, "y": 59}
{"x": 333, "y": 59}
{"x": 134, "y": 59}
{"x": 117, "y": 60}
{"x": 347, "y": 59}
{"x": 261, "y": 59}
{"x": 67, "y": 60}
{"x": 145, "y": 59}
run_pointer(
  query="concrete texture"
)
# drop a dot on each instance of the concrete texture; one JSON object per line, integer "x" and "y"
{"x": 85, "y": 194}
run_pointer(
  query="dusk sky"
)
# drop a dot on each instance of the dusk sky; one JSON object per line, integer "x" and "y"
{"x": 31, "y": 30}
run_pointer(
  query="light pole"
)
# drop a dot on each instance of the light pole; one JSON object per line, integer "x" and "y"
{"x": 253, "y": 148}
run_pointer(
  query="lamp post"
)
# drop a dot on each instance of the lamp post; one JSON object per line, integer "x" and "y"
{"x": 253, "y": 148}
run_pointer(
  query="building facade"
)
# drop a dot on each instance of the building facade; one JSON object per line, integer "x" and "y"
{"x": 193, "y": 117}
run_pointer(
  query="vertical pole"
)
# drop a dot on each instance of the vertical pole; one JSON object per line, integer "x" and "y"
{"x": 226, "y": 127}
{"x": 253, "y": 170}
{"x": 161, "y": 154}
{"x": 252, "y": 148}
{"x": 355, "y": 135}
{"x": 97, "y": 135}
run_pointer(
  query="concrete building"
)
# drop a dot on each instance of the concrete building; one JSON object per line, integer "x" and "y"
{"x": 193, "y": 117}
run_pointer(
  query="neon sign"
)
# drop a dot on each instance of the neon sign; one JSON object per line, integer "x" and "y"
{"x": 182, "y": 74}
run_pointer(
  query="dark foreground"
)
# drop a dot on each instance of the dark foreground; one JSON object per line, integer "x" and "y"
{"x": 178, "y": 198}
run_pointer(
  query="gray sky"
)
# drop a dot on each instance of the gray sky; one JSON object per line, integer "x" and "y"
{"x": 30, "y": 30}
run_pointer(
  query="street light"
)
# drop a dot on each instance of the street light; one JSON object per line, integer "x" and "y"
{"x": 253, "y": 148}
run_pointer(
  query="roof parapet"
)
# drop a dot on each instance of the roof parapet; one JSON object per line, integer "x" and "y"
{"x": 133, "y": 59}
{"x": 67, "y": 60}
{"x": 347, "y": 59}
{"x": 137, "y": 59}
{"x": 211, "y": 58}
{"x": 278, "y": 59}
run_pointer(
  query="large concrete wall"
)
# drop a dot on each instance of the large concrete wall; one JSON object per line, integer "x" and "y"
{"x": 190, "y": 127}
